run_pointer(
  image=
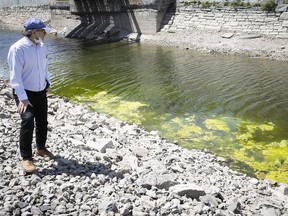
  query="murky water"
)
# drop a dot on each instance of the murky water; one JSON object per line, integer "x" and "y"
{"x": 234, "y": 106}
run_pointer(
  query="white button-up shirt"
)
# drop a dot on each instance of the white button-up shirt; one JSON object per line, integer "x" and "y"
{"x": 28, "y": 66}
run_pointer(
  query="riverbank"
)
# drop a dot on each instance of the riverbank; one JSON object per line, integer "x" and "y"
{"x": 215, "y": 42}
{"x": 104, "y": 165}
{"x": 210, "y": 41}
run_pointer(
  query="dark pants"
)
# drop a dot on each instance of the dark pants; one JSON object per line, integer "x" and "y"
{"x": 38, "y": 113}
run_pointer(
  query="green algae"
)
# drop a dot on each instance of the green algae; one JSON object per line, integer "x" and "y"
{"x": 260, "y": 152}
{"x": 128, "y": 111}
{"x": 216, "y": 124}
{"x": 250, "y": 144}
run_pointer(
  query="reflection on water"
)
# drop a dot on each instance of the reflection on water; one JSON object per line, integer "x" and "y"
{"x": 237, "y": 107}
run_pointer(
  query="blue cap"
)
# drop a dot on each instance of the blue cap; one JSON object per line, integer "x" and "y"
{"x": 34, "y": 23}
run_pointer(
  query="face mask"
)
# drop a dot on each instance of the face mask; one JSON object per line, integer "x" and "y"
{"x": 37, "y": 39}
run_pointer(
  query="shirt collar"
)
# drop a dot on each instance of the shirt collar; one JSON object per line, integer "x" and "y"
{"x": 28, "y": 42}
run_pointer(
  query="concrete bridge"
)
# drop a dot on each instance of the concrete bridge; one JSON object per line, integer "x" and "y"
{"x": 111, "y": 19}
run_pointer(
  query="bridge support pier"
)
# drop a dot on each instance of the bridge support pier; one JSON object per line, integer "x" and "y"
{"x": 116, "y": 17}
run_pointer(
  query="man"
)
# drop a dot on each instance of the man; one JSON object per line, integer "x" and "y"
{"x": 29, "y": 79}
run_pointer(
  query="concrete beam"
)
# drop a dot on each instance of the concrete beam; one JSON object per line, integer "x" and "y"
{"x": 140, "y": 16}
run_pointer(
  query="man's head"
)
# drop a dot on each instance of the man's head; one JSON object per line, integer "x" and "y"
{"x": 35, "y": 29}
{"x": 34, "y": 23}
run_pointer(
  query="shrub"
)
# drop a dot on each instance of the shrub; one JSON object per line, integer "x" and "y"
{"x": 269, "y": 6}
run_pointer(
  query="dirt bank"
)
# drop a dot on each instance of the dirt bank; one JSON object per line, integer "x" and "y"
{"x": 255, "y": 46}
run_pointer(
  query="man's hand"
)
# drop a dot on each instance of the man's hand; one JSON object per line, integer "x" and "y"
{"x": 23, "y": 106}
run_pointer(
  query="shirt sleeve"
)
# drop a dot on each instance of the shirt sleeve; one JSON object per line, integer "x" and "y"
{"x": 47, "y": 74}
{"x": 16, "y": 62}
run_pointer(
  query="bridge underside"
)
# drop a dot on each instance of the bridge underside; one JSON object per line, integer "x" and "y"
{"x": 114, "y": 19}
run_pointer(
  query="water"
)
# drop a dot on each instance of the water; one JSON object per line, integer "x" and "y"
{"x": 234, "y": 106}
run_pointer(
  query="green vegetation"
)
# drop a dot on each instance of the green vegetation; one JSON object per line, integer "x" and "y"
{"x": 237, "y": 3}
{"x": 249, "y": 146}
{"x": 257, "y": 148}
{"x": 268, "y": 5}
{"x": 208, "y": 4}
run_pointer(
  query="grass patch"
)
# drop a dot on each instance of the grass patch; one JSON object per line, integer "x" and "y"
{"x": 268, "y": 5}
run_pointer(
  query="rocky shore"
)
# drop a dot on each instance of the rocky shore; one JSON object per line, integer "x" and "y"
{"x": 108, "y": 167}
{"x": 241, "y": 44}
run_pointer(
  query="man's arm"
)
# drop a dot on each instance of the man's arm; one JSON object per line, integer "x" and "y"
{"x": 15, "y": 62}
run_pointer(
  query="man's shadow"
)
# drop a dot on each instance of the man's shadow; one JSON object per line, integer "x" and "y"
{"x": 74, "y": 168}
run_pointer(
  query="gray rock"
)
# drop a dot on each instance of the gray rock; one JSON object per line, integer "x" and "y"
{"x": 101, "y": 144}
{"x": 252, "y": 36}
{"x": 270, "y": 212}
{"x": 134, "y": 172}
{"x": 60, "y": 209}
{"x": 124, "y": 211}
{"x": 227, "y": 35}
{"x": 129, "y": 162}
{"x": 157, "y": 180}
{"x": 209, "y": 200}
{"x": 26, "y": 213}
{"x": 8, "y": 207}
{"x": 22, "y": 204}
{"x": 36, "y": 211}
{"x": 45, "y": 208}
{"x": 106, "y": 206}
{"x": 16, "y": 211}
{"x": 92, "y": 126}
{"x": 235, "y": 206}
{"x": 282, "y": 8}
